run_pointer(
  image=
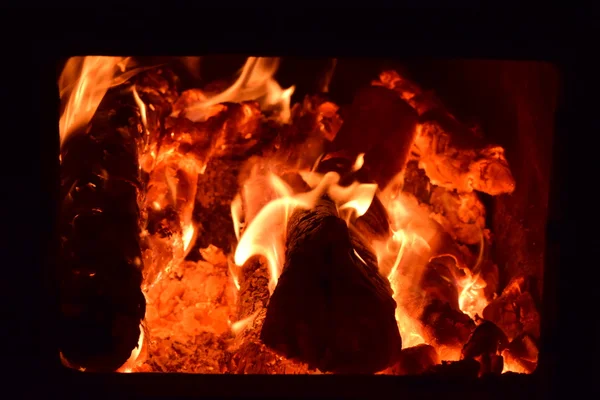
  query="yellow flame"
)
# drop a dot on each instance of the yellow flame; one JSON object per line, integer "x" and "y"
{"x": 133, "y": 361}
{"x": 83, "y": 83}
{"x": 188, "y": 235}
{"x": 265, "y": 234}
{"x": 254, "y": 83}
{"x": 360, "y": 161}
{"x": 236, "y": 215}
{"x": 239, "y": 326}
{"x": 142, "y": 107}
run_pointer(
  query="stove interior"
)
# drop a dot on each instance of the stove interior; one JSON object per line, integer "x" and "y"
{"x": 257, "y": 215}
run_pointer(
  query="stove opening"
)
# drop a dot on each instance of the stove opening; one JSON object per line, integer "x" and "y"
{"x": 225, "y": 214}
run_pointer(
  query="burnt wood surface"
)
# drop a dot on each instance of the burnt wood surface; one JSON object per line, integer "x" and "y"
{"x": 381, "y": 125}
{"x": 100, "y": 272}
{"x": 331, "y": 307}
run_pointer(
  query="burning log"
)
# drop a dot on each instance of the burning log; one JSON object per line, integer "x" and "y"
{"x": 331, "y": 308}
{"x": 415, "y": 360}
{"x": 100, "y": 267}
{"x": 250, "y": 355}
{"x": 452, "y": 154}
{"x": 521, "y": 355}
{"x": 515, "y": 311}
{"x": 485, "y": 345}
{"x": 381, "y": 125}
{"x": 444, "y": 325}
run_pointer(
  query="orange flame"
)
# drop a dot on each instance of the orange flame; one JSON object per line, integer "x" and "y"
{"x": 134, "y": 360}
{"x": 265, "y": 233}
{"x": 254, "y": 83}
{"x": 84, "y": 81}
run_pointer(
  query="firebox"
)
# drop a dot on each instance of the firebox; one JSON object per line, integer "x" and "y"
{"x": 269, "y": 216}
{"x": 225, "y": 225}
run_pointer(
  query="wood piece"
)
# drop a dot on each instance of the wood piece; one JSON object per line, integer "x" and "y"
{"x": 331, "y": 308}
{"x": 522, "y": 353}
{"x": 249, "y": 355}
{"x": 444, "y": 325}
{"x": 100, "y": 258}
{"x": 515, "y": 311}
{"x": 381, "y": 125}
{"x": 415, "y": 360}
{"x": 485, "y": 345}
{"x": 375, "y": 223}
{"x": 452, "y": 154}
{"x": 417, "y": 183}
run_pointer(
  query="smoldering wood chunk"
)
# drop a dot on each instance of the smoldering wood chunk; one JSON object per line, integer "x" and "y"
{"x": 487, "y": 338}
{"x": 439, "y": 281}
{"x": 445, "y": 325}
{"x": 456, "y": 369}
{"x": 416, "y": 182}
{"x": 331, "y": 308}
{"x": 523, "y": 351}
{"x": 515, "y": 311}
{"x": 485, "y": 345}
{"x": 415, "y": 360}
{"x": 381, "y": 125}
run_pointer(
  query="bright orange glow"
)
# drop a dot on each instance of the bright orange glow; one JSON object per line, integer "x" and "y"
{"x": 135, "y": 359}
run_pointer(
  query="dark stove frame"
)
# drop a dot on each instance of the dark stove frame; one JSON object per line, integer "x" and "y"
{"x": 502, "y": 35}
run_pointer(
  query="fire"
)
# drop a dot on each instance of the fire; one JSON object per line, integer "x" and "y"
{"x": 135, "y": 359}
{"x": 83, "y": 83}
{"x": 265, "y": 233}
{"x": 189, "y": 298}
{"x": 255, "y": 82}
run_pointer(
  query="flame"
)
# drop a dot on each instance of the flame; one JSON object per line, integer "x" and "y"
{"x": 143, "y": 112}
{"x": 472, "y": 299}
{"x": 254, "y": 83}
{"x": 513, "y": 366}
{"x": 134, "y": 360}
{"x": 360, "y": 161}
{"x": 238, "y": 326}
{"x": 83, "y": 83}
{"x": 265, "y": 233}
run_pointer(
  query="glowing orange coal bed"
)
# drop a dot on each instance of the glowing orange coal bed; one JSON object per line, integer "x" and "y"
{"x": 225, "y": 228}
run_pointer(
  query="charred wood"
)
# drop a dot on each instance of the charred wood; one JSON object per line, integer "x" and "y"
{"x": 249, "y": 355}
{"x": 515, "y": 311}
{"x": 100, "y": 268}
{"x": 331, "y": 308}
{"x": 381, "y": 125}
{"x": 444, "y": 325}
{"x": 485, "y": 345}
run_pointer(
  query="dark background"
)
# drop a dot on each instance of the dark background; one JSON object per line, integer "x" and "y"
{"x": 37, "y": 39}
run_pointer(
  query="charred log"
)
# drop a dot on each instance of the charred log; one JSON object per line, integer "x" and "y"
{"x": 444, "y": 325}
{"x": 522, "y": 352}
{"x": 515, "y": 311}
{"x": 100, "y": 258}
{"x": 381, "y": 125}
{"x": 485, "y": 345}
{"x": 331, "y": 308}
{"x": 250, "y": 355}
